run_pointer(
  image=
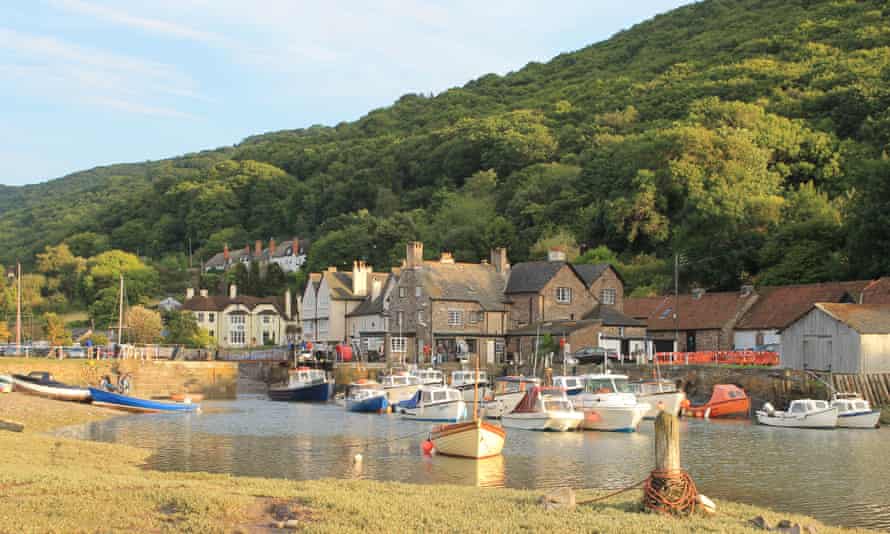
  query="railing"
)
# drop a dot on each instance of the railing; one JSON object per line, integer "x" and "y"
{"x": 277, "y": 354}
{"x": 725, "y": 357}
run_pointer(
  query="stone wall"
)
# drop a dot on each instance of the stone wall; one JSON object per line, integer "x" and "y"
{"x": 215, "y": 380}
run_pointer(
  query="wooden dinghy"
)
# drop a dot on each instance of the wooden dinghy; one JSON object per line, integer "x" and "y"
{"x": 472, "y": 439}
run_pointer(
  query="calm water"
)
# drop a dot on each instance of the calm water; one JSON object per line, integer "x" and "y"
{"x": 840, "y": 476}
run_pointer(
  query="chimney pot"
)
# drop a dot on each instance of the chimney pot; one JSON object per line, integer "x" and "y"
{"x": 189, "y": 293}
{"x": 446, "y": 257}
{"x": 258, "y": 247}
{"x": 271, "y": 246}
{"x": 233, "y": 291}
{"x": 414, "y": 255}
{"x": 556, "y": 254}
{"x": 203, "y": 292}
{"x": 499, "y": 259}
{"x": 226, "y": 252}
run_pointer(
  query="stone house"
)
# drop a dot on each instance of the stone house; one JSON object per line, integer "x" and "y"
{"x": 449, "y": 308}
{"x": 289, "y": 255}
{"x": 368, "y": 323}
{"x": 241, "y": 321}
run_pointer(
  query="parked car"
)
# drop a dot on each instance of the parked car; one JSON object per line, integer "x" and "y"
{"x": 594, "y": 355}
{"x": 769, "y": 347}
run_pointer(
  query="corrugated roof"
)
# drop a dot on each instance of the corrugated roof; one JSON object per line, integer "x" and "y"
{"x": 467, "y": 282}
{"x": 864, "y": 318}
{"x": 779, "y": 306}
{"x": 710, "y": 311}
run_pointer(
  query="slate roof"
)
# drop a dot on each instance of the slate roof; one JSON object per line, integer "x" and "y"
{"x": 532, "y": 276}
{"x": 218, "y": 303}
{"x": 554, "y": 328}
{"x": 611, "y": 317}
{"x": 591, "y": 272}
{"x": 864, "y": 318}
{"x": 374, "y": 306}
{"x": 779, "y": 306}
{"x": 877, "y": 292}
{"x": 340, "y": 284}
{"x": 466, "y": 282}
{"x": 710, "y": 311}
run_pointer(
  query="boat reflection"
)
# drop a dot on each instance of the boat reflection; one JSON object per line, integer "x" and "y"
{"x": 487, "y": 472}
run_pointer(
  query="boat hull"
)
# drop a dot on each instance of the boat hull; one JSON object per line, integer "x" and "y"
{"x": 502, "y": 404}
{"x": 865, "y": 419}
{"x": 821, "y": 419}
{"x": 731, "y": 408}
{"x": 473, "y": 439}
{"x": 671, "y": 402}
{"x": 313, "y": 393}
{"x": 614, "y": 418}
{"x": 372, "y": 405}
{"x": 398, "y": 394}
{"x": 543, "y": 421}
{"x": 133, "y": 404}
{"x": 466, "y": 391}
{"x": 444, "y": 412}
{"x": 56, "y": 392}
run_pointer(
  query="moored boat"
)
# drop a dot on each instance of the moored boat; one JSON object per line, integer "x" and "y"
{"x": 572, "y": 384}
{"x": 608, "y": 404}
{"x": 727, "y": 400}
{"x": 42, "y": 384}
{"x": 304, "y": 385}
{"x": 429, "y": 376}
{"x": 544, "y": 408}
{"x": 399, "y": 387}
{"x": 855, "y": 412}
{"x": 802, "y": 413}
{"x": 5, "y": 384}
{"x": 466, "y": 382}
{"x": 366, "y": 396}
{"x": 661, "y": 395}
{"x": 471, "y": 439}
{"x": 133, "y": 404}
{"x": 434, "y": 403}
{"x": 508, "y": 391}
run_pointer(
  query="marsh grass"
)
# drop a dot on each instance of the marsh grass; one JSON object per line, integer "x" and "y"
{"x": 51, "y": 484}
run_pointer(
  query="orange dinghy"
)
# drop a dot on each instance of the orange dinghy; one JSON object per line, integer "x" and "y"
{"x": 727, "y": 400}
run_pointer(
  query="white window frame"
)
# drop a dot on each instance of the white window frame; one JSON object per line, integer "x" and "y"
{"x": 211, "y": 317}
{"x": 455, "y": 317}
{"x": 267, "y": 319}
{"x": 417, "y": 291}
{"x": 403, "y": 292}
{"x": 608, "y": 295}
{"x": 199, "y": 316}
{"x": 237, "y": 329}
{"x": 564, "y": 295}
{"x": 398, "y": 345}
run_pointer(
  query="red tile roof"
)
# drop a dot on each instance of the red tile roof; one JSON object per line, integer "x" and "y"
{"x": 877, "y": 292}
{"x": 710, "y": 311}
{"x": 779, "y": 306}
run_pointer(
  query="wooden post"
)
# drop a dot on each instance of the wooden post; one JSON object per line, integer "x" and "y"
{"x": 667, "y": 443}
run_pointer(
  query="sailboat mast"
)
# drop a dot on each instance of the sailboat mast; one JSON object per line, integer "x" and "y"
{"x": 18, "y": 308}
{"x": 120, "y": 312}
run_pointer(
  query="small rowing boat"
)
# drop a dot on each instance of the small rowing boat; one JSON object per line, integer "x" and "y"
{"x": 134, "y": 404}
{"x": 41, "y": 384}
{"x": 472, "y": 439}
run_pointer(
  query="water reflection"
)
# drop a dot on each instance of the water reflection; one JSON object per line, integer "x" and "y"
{"x": 837, "y": 476}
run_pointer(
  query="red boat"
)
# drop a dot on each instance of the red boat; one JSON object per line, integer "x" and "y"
{"x": 727, "y": 400}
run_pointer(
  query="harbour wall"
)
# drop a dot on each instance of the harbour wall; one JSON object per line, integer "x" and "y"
{"x": 160, "y": 378}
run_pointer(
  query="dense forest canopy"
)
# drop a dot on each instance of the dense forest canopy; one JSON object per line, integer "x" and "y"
{"x": 748, "y": 136}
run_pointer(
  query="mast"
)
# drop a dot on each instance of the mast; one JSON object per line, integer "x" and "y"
{"x": 120, "y": 312}
{"x": 476, "y": 391}
{"x": 18, "y": 308}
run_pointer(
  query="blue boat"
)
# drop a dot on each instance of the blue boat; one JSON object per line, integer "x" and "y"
{"x": 304, "y": 385}
{"x": 132, "y": 404}
{"x": 364, "y": 396}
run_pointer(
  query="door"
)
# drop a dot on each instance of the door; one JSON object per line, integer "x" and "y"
{"x": 489, "y": 351}
{"x": 690, "y": 341}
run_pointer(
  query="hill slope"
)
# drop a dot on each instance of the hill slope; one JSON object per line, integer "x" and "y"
{"x": 747, "y": 135}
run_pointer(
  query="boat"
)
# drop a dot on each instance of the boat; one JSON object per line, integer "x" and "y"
{"x": 727, "y": 400}
{"x": 508, "y": 391}
{"x": 304, "y": 384}
{"x": 855, "y": 412}
{"x": 802, "y": 413}
{"x": 429, "y": 376}
{"x": 608, "y": 404}
{"x": 475, "y": 439}
{"x": 399, "y": 387}
{"x": 366, "y": 396}
{"x": 572, "y": 384}
{"x": 544, "y": 408}
{"x": 186, "y": 397}
{"x": 465, "y": 382}
{"x": 661, "y": 395}
{"x": 434, "y": 403}
{"x": 41, "y": 384}
{"x": 133, "y": 404}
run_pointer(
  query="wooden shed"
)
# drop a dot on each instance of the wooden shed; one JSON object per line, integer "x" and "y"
{"x": 843, "y": 338}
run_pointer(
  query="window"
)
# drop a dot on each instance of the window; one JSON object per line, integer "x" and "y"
{"x": 199, "y": 316}
{"x": 212, "y": 334}
{"x": 608, "y": 295}
{"x": 564, "y": 295}
{"x": 398, "y": 344}
{"x": 417, "y": 291}
{"x": 471, "y": 346}
{"x": 267, "y": 319}
{"x": 476, "y": 316}
{"x": 403, "y": 292}
{"x": 621, "y": 331}
{"x": 237, "y": 334}
{"x": 211, "y": 317}
{"x": 455, "y": 318}
{"x": 419, "y": 316}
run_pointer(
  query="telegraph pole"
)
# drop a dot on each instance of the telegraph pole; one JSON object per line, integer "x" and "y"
{"x": 676, "y": 302}
{"x": 18, "y": 308}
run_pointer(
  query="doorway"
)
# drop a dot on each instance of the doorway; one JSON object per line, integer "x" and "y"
{"x": 690, "y": 341}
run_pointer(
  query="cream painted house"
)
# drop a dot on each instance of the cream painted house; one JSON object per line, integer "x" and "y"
{"x": 240, "y": 321}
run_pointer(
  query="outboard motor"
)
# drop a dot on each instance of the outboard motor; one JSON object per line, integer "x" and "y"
{"x": 768, "y": 408}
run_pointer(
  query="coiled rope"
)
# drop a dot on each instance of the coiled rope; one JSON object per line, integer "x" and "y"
{"x": 664, "y": 492}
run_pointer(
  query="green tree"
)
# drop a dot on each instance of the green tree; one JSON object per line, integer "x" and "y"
{"x": 274, "y": 281}
{"x": 143, "y": 325}
{"x": 56, "y": 333}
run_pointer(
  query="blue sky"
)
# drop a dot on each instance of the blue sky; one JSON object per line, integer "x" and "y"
{"x": 93, "y": 82}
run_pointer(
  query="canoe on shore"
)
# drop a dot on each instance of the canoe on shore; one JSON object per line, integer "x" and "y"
{"x": 133, "y": 404}
{"x": 42, "y": 385}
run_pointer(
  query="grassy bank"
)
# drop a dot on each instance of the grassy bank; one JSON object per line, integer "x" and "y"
{"x": 50, "y": 484}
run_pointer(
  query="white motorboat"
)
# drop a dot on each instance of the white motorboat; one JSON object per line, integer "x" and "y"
{"x": 543, "y": 408}
{"x": 366, "y": 396}
{"x": 465, "y": 382}
{"x": 434, "y": 403}
{"x": 802, "y": 413}
{"x": 399, "y": 387}
{"x": 429, "y": 376}
{"x": 661, "y": 395}
{"x": 855, "y": 412}
{"x": 608, "y": 404}
{"x": 572, "y": 384}
{"x": 508, "y": 391}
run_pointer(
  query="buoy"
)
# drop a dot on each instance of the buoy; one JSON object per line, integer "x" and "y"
{"x": 705, "y": 504}
{"x": 427, "y": 446}
{"x": 685, "y": 403}
{"x": 357, "y": 458}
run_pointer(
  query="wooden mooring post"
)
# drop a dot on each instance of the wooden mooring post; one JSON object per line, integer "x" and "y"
{"x": 667, "y": 443}
{"x": 669, "y": 489}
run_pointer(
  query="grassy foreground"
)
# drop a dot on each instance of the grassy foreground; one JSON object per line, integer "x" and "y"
{"x": 50, "y": 484}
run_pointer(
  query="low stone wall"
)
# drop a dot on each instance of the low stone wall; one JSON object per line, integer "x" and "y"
{"x": 161, "y": 378}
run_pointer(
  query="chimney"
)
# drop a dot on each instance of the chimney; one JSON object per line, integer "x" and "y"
{"x": 698, "y": 293}
{"x": 287, "y": 303}
{"x": 746, "y": 290}
{"x": 189, "y": 293}
{"x": 447, "y": 257}
{"x": 271, "y": 246}
{"x": 332, "y": 269}
{"x": 202, "y": 292}
{"x": 258, "y": 247}
{"x": 414, "y": 255}
{"x": 376, "y": 286}
{"x": 555, "y": 254}
{"x": 499, "y": 260}
{"x": 226, "y": 252}
{"x": 233, "y": 291}
{"x": 360, "y": 274}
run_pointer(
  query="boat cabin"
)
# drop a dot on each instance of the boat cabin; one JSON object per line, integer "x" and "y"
{"x": 572, "y": 384}
{"x": 306, "y": 376}
{"x": 459, "y": 378}
{"x": 544, "y": 399}
{"x": 855, "y": 404}
{"x": 802, "y": 406}
{"x": 600, "y": 383}
{"x": 514, "y": 384}
{"x": 651, "y": 387}
{"x": 429, "y": 376}
{"x": 363, "y": 384}
{"x": 399, "y": 380}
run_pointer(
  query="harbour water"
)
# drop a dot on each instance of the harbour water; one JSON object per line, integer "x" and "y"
{"x": 837, "y": 476}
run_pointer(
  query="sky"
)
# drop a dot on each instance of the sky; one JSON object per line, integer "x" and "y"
{"x": 93, "y": 82}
